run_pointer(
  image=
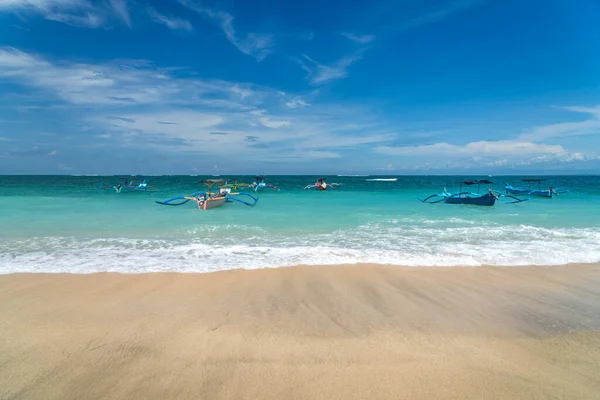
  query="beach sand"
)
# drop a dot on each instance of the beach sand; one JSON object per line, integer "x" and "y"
{"x": 338, "y": 332}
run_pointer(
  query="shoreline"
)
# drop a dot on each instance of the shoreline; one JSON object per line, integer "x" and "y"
{"x": 354, "y": 265}
{"x": 306, "y": 332}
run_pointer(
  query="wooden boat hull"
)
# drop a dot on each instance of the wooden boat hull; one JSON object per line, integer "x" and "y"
{"x": 212, "y": 202}
{"x": 483, "y": 200}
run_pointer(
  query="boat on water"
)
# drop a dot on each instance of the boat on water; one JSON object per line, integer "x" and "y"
{"x": 549, "y": 192}
{"x": 382, "y": 180}
{"x": 469, "y": 198}
{"x": 130, "y": 185}
{"x": 320, "y": 184}
{"x": 207, "y": 200}
{"x": 259, "y": 184}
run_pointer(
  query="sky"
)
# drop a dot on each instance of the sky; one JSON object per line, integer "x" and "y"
{"x": 299, "y": 87}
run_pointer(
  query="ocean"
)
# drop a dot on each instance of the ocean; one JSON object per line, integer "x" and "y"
{"x": 67, "y": 224}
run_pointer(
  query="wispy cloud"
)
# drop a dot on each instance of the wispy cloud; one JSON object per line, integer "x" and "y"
{"x": 590, "y": 126}
{"x": 173, "y": 23}
{"x": 254, "y": 44}
{"x": 296, "y": 103}
{"x": 272, "y": 123}
{"x": 79, "y": 13}
{"x": 360, "y": 39}
{"x": 320, "y": 73}
{"x": 482, "y": 149}
{"x": 142, "y": 106}
{"x": 120, "y": 8}
{"x": 440, "y": 13}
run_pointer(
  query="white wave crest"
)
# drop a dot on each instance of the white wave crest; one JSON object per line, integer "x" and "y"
{"x": 395, "y": 244}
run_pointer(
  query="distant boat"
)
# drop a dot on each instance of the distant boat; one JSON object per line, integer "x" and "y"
{"x": 549, "y": 192}
{"x": 382, "y": 180}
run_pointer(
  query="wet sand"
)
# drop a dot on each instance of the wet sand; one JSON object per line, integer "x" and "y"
{"x": 343, "y": 332}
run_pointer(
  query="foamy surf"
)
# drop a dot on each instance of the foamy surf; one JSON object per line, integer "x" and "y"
{"x": 401, "y": 245}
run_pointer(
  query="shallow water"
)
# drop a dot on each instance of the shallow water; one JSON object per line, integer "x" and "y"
{"x": 66, "y": 224}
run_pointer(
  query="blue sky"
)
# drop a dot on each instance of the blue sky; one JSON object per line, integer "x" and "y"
{"x": 196, "y": 87}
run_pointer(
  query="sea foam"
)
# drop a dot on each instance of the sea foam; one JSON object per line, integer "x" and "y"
{"x": 394, "y": 244}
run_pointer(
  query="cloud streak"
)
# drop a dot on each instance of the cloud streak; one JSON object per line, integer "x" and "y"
{"x": 321, "y": 73}
{"x": 173, "y": 23}
{"x": 78, "y": 13}
{"x": 448, "y": 10}
{"x": 360, "y": 39}
{"x": 120, "y": 8}
{"x": 590, "y": 126}
{"x": 256, "y": 45}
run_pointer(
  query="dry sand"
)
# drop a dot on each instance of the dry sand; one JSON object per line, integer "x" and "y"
{"x": 347, "y": 332}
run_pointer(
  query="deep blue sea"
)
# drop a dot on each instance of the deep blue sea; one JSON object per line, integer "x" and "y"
{"x": 68, "y": 224}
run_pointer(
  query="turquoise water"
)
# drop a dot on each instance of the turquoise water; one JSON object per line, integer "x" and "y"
{"x": 66, "y": 224}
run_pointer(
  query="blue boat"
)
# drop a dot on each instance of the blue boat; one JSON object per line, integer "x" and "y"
{"x": 548, "y": 193}
{"x": 470, "y": 198}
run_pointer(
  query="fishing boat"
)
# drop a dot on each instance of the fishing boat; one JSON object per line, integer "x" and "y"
{"x": 130, "y": 185}
{"x": 207, "y": 199}
{"x": 470, "y": 198}
{"x": 549, "y": 192}
{"x": 320, "y": 184}
{"x": 259, "y": 184}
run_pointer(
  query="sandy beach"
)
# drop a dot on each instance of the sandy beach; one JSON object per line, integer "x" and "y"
{"x": 343, "y": 332}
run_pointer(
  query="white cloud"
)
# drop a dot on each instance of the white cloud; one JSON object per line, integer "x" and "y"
{"x": 275, "y": 124}
{"x": 320, "y": 73}
{"x": 173, "y": 23}
{"x": 120, "y": 83}
{"x": 181, "y": 124}
{"x": 79, "y": 13}
{"x": 589, "y": 126}
{"x": 296, "y": 103}
{"x": 483, "y": 148}
{"x": 320, "y": 154}
{"x": 389, "y": 167}
{"x": 360, "y": 39}
{"x": 254, "y": 44}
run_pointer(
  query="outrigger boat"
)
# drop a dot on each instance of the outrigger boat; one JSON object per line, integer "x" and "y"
{"x": 207, "y": 199}
{"x": 130, "y": 186}
{"x": 259, "y": 184}
{"x": 550, "y": 192}
{"x": 320, "y": 184}
{"x": 470, "y": 198}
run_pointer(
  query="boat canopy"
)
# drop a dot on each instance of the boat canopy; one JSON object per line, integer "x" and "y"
{"x": 477, "y": 182}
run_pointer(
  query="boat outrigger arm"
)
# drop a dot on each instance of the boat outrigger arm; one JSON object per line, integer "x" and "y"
{"x": 181, "y": 200}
